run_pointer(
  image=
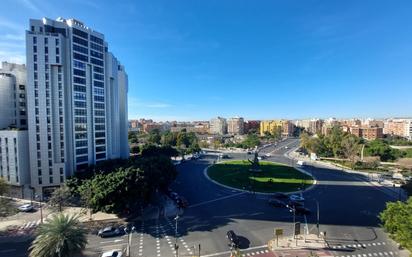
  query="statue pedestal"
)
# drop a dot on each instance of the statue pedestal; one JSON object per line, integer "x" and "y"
{"x": 255, "y": 170}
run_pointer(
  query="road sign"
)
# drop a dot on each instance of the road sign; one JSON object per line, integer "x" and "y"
{"x": 278, "y": 232}
{"x": 297, "y": 228}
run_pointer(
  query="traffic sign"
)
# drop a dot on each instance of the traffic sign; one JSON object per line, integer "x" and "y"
{"x": 278, "y": 232}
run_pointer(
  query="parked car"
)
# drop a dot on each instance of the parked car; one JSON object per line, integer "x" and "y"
{"x": 110, "y": 231}
{"x": 300, "y": 210}
{"x": 280, "y": 196}
{"x": 232, "y": 237}
{"x": 296, "y": 198}
{"x": 294, "y": 204}
{"x": 276, "y": 203}
{"x": 182, "y": 202}
{"x": 25, "y": 207}
{"x": 113, "y": 253}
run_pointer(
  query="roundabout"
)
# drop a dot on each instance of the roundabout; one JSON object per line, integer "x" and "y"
{"x": 272, "y": 177}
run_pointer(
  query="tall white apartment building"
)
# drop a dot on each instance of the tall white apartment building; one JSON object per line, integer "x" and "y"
{"x": 235, "y": 126}
{"x": 14, "y": 153}
{"x": 77, "y": 93}
{"x": 218, "y": 126}
{"x": 13, "y": 109}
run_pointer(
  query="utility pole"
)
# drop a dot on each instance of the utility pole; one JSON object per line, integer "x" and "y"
{"x": 317, "y": 221}
{"x": 176, "y": 245}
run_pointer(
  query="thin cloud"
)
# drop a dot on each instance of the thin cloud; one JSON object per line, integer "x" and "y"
{"x": 30, "y": 5}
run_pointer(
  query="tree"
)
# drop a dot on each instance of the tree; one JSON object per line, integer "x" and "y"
{"x": 60, "y": 197}
{"x": 135, "y": 149}
{"x": 169, "y": 138}
{"x": 396, "y": 220}
{"x": 4, "y": 187}
{"x": 61, "y": 236}
{"x": 350, "y": 147}
{"x": 154, "y": 137}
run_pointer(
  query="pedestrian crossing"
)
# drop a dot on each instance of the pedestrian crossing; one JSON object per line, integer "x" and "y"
{"x": 357, "y": 245}
{"x": 376, "y": 254}
{"x": 30, "y": 225}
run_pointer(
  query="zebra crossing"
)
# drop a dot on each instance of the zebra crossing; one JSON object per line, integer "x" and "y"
{"x": 358, "y": 245}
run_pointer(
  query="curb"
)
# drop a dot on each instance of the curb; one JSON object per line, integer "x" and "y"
{"x": 260, "y": 193}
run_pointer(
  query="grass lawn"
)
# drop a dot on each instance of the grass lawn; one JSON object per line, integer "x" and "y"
{"x": 274, "y": 177}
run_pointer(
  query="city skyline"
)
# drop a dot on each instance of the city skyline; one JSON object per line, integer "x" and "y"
{"x": 264, "y": 61}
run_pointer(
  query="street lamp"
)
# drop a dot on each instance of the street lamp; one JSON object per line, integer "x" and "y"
{"x": 41, "y": 208}
{"x": 317, "y": 216}
{"x": 176, "y": 245}
{"x": 129, "y": 243}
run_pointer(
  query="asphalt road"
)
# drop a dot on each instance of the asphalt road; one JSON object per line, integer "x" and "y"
{"x": 348, "y": 208}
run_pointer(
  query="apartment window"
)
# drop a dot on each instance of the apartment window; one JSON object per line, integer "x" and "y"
{"x": 32, "y": 28}
{"x": 50, "y": 171}
{"x": 46, "y": 49}
{"x": 40, "y": 181}
{"x": 57, "y": 41}
{"x": 51, "y": 180}
{"x": 46, "y": 40}
{"x": 38, "y": 148}
{"x": 35, "y": 66}
{"x": 82, "y": 159}
{"x": 34, "y": 49}
{"x": 36, "y": 85}
{"x": 38, "y": 163}
{"x": 57, "y": 59}
{"x": 61, "y": 179}
{"x": 41, "y": 29}
{"x": 46, "y": 58}
{"x": 35, "y": 57}
{"x": 101, "y": 156}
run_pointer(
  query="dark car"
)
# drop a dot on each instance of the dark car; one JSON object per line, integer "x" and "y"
{"x": 276, "y": 203}
{"x": 232, "y": 237}
{"x": 300, "y": 210}
{"x": 110, "y": 231}
{"x": 280, "y": 196}
{"x": 295, "y": 204}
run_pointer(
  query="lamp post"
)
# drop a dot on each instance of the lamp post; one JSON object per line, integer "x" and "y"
{"x": 41, "y": 208}
{"x": 317, "y": 216}
{"x": 129, "y": 243}
{"x": 176, "y": 245}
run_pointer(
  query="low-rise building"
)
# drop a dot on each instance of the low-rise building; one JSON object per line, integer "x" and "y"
{"x": 398, "y": 127}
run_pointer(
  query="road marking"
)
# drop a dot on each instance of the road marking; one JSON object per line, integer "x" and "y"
{"x": 7, "y": 251}
{"x": 244, "y": 250}
{"x": 215, "y": 200}
{"x": 113, "y": 241}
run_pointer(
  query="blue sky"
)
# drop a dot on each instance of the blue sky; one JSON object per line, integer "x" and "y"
{"x": 192, "y": 60}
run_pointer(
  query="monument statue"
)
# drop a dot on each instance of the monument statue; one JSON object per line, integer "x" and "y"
{"x": 255, "y": 163}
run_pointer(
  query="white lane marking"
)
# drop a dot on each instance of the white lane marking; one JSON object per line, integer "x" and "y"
{"x": 373, "y": 243}
{"x": 375, "y": 254}
{"x": 378, "y": 243}
{"x": 215, "y": 200}
{"x": 112, "y": 241}
{"x": 226, "y": 252}
{"x": 7, "y": 251}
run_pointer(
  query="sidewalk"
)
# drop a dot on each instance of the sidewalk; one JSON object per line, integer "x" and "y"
{"x": 386, "y": 185}
{"x": 312, "y": 242}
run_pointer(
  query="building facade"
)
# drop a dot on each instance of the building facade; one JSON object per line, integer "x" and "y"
{"x": 76, "y": 93}
{"x": 368, "y": 133}
{"x": 235, "y": 126}
{"x": 285, "y": 127}
{"x": 398, "y": 127}
{"x": 13, "y": 109}
{"x": 218, "y": 126}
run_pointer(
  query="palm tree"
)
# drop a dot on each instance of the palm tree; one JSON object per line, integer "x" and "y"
{"x": 60, "y": 236}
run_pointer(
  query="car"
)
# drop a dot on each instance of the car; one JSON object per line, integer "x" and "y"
{"x": 25, "y": 207}
{"x": 268, "y": 155}
{"x": 300, "y": 210}
{"x": 294, "y": 204}
{"x": 286, "y": 147}
{"x": 233, "y": 238}
{"x": 174, "y": 195}
{"x": 279, "y": 196}
{"x": 296, "y": 198}
{"x": 113, "y": 253}
{"x": 276, "y": 203}
{"x": 110, "y": 231}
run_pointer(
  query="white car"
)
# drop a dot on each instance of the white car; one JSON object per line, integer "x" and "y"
{"x": 26, "y": 207}
{"x": 113, "y": 253}
{"x": 296, "y": 198}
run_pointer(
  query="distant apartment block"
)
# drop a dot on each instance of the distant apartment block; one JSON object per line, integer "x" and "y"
{"x": 77, "y": 101}
{"x": 252, "y": 125}
{"x": 285, "y": 127}
{"x": 368, "y": 133}
{"x": 235, "y": 126}
{"x": 398, "y": 127}
{"x": 218, "y": 126}
{"x": 315, "y": 126}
